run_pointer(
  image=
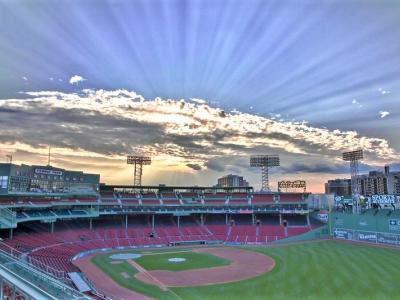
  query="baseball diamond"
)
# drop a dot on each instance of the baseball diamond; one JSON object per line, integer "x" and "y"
{"x": 291, "y": 271}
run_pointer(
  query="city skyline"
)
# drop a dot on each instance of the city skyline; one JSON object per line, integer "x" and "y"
{"x": 200, "y": 86}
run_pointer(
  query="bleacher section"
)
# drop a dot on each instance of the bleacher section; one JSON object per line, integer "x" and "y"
{"x": 262, "y": 199}
{"x": 108, "y": 198}
{"x": 238, "y": 199}
{"x": 169, "y": 199}
{"x": 291, "y": 198}
{"x": 150, "y": 198}
{"x": 129, "y": 199}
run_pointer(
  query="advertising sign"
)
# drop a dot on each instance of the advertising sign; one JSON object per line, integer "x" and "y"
{"x": 323, "y": 216}
{"x": 382, "y": 199}
{"x": 394, "y": 224}
{"x": 387, "y": 238}
{"x": 48, "y": 172}
{"x": 343, "y": 200}
{"x": 367, "y": 237}
{"x": 341, "y": 234}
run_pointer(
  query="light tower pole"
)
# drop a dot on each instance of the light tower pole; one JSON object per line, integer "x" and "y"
{"x": 265, "y": 162}
{"x": 353, "y": 157}
{"x": 138, "y": 161}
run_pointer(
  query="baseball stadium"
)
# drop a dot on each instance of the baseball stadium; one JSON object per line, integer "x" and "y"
{"x": 66, "y": 236}
{"x": 199, "y": 150}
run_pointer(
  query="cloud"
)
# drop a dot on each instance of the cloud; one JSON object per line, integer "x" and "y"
{"x": 24, "y": 78}
{"x": 318, "y": 167}
{"x": 215, "y": 165}
{"x": 105, "y": 124}
{"x": 383, "y": 113}
{"x": 199, "y": 101}
{"x": 383, "y": 92}
{"x": 76, "y": 79}
{"x": 195, "y": 167}
{"x": 356, "y": 103}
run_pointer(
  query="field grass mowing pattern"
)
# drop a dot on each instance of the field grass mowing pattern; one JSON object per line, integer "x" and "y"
{"x": 321, "y": 270}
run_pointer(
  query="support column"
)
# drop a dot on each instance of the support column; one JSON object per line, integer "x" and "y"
{"x": 13, "y": 293}
{"x": 226, "y": 219}
{"x": 202, "y": 219}
{"x": 126, "y": 222}
{"x": 90, "y": 224}
{"x": 308, "y": 220}
{"x": 179, "y": 221}
{"x": 52, "y": 227}
{"x": 280, "y": 219}
{"x": 11, "y": 235}
{"x": 152, "y": 222}
{"x": 253, "y": 217}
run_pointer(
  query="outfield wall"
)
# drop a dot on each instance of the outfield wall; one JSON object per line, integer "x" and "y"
{"x": 373, "y": 226}
{"x": 385, "y": 221}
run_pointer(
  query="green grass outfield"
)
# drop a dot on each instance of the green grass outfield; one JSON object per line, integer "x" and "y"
{"x": 194, "y": 260}
{"x": 320, "y": 270}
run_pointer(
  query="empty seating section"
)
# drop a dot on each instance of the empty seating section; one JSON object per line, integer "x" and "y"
{"x": 7, "y": 293}
{"x": 7, "y": 201}
{"x": 150, "y": 199}
{"x": 108, "y": 197}
{"x": 270, "y": 233}
{"x": 39, "y": 201}
{"x": 262, "y": 199}
{"x": 129, "y": 199}
{"x": 238, "y": 199}
{"x": 190, "y": 198}
{"x": 86, "y": 198}
{"x": 54, "y": 251}
{"x": 289, "y": 198}
{"x": 214, "y": 199}
{"x": 220, "y": 232}
{"x": 170, "y": 199}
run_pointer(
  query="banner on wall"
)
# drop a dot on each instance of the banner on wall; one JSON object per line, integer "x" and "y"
{"x": 382, "y": 199}
{"x": 367, "y": 236}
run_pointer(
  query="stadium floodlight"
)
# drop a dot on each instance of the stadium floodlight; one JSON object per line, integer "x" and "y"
{"x": 353, "y": 157}
{"x": 264, "y": 162}
{"x": 138, "y": 161}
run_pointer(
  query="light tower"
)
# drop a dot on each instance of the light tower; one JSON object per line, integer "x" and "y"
{"x": 353, "y": 157}
{"x": 264, "y": 162}
{"x": 138, "y": 161}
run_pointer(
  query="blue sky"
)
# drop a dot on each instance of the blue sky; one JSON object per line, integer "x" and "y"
{"x": 333, "y": 64}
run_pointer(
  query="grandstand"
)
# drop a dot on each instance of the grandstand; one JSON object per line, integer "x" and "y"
{"x": 43, "y": 228}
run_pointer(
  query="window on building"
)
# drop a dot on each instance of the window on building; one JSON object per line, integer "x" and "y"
{"x": 3, "y": 182}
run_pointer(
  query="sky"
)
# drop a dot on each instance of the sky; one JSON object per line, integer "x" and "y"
{"x": 200, "y": 86}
